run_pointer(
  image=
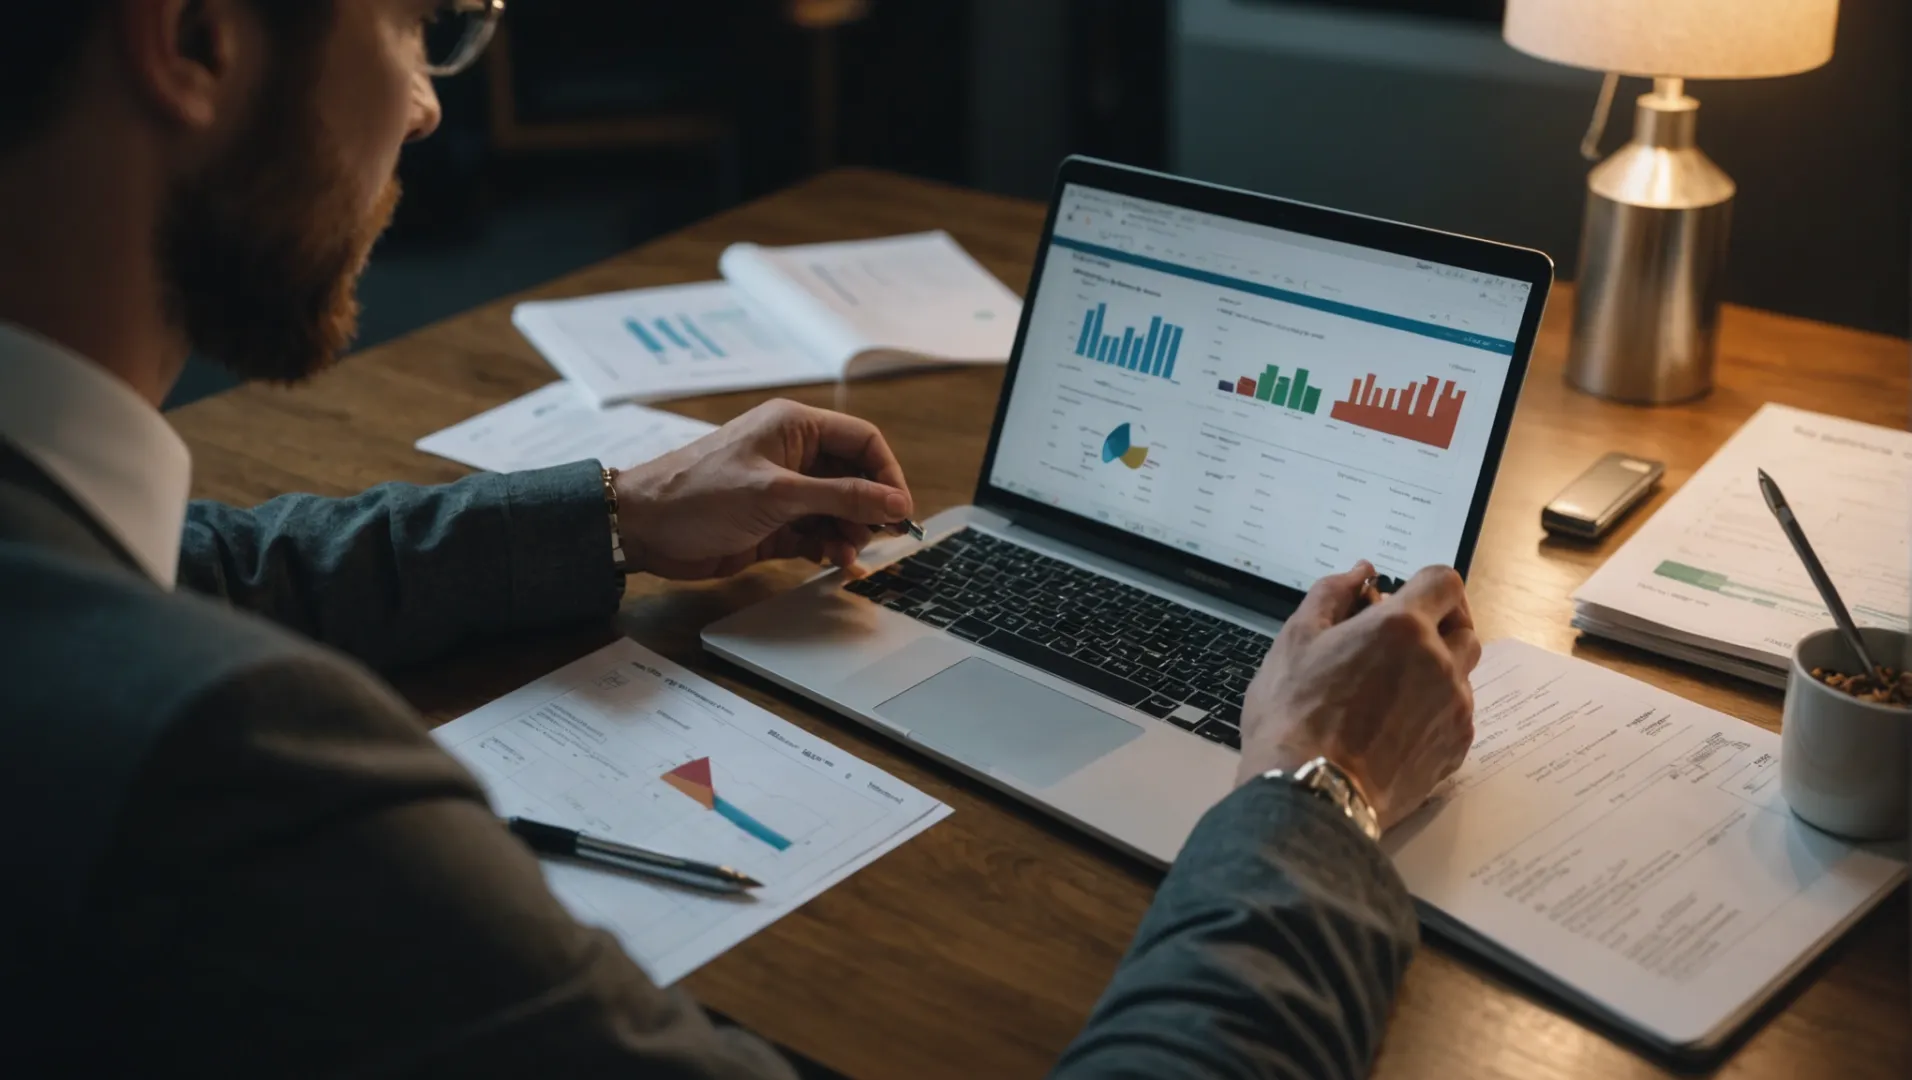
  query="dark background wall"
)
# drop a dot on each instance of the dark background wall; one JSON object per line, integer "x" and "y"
{"x": 1380, "y": 106}
{"x": 1438, "y": 121}
{"x": 1412, "y": 109}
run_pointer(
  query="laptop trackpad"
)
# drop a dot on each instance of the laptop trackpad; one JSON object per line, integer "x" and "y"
{"x": 989, "y": 717}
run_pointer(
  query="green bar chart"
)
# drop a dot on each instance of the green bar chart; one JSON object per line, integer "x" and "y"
{"x": 1283, "y": 391}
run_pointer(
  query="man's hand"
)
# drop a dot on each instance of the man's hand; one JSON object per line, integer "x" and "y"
{"x": 1382, "y": 694}
{"x": 781, "y": 481}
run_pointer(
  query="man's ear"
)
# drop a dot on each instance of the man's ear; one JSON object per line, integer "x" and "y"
{"x": 183, "y": 55}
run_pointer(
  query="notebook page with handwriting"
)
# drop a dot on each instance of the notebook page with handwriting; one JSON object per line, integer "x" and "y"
{"x": 1631, "y": 848}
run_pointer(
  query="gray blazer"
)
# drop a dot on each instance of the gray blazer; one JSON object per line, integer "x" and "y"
{"x": 257, "y": 863}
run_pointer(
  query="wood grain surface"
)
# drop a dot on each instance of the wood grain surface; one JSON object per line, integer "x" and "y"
{"x": 977, "y": 949}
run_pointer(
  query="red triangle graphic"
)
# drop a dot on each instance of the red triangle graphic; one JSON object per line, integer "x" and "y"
{"x": 696, "y": 772}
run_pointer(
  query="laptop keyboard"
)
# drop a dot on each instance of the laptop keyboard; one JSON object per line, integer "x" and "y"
{"x": 1168, "y": 660}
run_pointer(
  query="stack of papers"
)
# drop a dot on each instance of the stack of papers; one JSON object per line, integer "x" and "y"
{"x": 627, "y": 746}
{"x": 1712, "y": 580}
{"x": 1629, "y": 850}
{"x": 782, "y": 316}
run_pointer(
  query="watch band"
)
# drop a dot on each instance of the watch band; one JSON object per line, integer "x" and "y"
{"x": 1331, "y": 784}
{"x": 618, "y": 561}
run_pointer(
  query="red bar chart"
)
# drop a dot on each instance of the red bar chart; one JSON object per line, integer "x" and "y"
{"x": 1425, "y": 412}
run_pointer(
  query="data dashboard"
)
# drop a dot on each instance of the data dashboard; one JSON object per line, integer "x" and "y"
{"x": 1277, "y": 403}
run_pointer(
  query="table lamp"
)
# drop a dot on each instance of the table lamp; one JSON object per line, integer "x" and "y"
{"x": 1653, "y": 245}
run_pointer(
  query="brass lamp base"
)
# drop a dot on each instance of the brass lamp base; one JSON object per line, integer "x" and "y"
{"x": 1652, "y": 261}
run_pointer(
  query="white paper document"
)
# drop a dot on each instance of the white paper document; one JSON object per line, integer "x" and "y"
{"x": 1630, "y": 849}
{"x": 555, "y": 426}
{"x": 1711, "y": 578}
{"x": 628, "y": 746}
{"x": 781, "y": 317}
{"x": 656, "y": 344}
{"x": 864, "y": 306}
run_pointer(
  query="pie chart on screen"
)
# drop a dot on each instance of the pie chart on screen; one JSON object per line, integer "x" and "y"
{"x": 1118, "y": 447}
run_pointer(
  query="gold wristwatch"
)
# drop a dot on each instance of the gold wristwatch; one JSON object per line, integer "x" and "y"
{"x": 1330, "y": 783}
{"x": 618, "y": 561}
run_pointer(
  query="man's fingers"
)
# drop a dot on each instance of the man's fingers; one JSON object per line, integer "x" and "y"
{"x": 852, "y": 536}
{"x": 853, "y": 499}
{"x": 1438, "y": 594}
{"x": 862, "y": 446}
{"x": 839, "y": 553}
{"x": 1463, "y": 644}
{"x": 1331, "y": 598}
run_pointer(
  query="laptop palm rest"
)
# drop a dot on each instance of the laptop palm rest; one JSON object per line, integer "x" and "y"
{"x": 991, "y": 718}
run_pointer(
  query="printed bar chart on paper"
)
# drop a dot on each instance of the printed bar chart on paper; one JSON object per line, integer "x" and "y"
{"x": 626, "y": 745}
{"x": 649, "y": 344}
{"x": 1147, "y": 350}
{"x": 1117, "y": 447}
{"x": 693, "y": 779}
{"x": 679, "y": 336}
{"x": 1277, "y": 389}
{"x": 1800, "y": 606}
{"x": 1711, "y": 578}
{"x": 1425, "y": 412}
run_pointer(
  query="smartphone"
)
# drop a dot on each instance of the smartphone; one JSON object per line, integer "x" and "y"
{"x": 1601, "y": 496}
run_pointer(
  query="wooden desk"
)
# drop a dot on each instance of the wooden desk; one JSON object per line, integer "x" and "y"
{"x": 978, "y": 949}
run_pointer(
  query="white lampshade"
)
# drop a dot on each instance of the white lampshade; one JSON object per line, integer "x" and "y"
{"x": 1690, "y": 39}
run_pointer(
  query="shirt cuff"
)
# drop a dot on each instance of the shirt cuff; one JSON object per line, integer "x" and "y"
{"x": 561, "y": 567}
{"x": 1267, "y": 829}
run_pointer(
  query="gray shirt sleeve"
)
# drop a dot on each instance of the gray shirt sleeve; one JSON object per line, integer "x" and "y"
{"x": 401, "y": 574}
{"x": 298, "y": 853}
{"x": 305, "y": 884}
{"x": 1273, "y": 949}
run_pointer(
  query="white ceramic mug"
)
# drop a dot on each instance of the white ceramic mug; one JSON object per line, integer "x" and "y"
{"x": 1844, "y": 763}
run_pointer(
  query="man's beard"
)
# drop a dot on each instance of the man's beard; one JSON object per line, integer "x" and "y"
{"x": 261, "y": 251}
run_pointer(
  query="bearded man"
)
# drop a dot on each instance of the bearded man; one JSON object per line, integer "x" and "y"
{"x": 235, "y": 851}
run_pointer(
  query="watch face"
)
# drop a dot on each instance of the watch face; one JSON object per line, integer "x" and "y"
{"x": 1328, "y": 779}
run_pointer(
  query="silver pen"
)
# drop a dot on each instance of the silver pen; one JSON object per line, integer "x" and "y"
{"x": 905, "y": 526}
{"x": 557, "y": 840}
{"x": 1788, "y": 524}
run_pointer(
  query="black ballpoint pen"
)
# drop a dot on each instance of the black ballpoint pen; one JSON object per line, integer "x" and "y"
{"x": 1776, "y": 502}
{"x": 555, "y": 840}
{"x": 906, "y": 527}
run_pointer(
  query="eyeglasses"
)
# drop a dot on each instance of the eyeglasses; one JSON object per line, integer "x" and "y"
{"x": 457, "y": 32}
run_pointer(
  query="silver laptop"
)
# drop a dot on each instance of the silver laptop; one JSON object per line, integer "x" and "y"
{"x": 1215, "y": 398}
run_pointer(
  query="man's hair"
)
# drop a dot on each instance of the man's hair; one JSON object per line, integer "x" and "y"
{"x": 36, "y": 54}
{"x": 40, "y": 48}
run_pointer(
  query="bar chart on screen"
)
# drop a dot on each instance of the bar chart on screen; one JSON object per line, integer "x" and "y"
{"x": 1271, "y": 386}
{"x": 1149, "y": 349}
{"x": 1426, "y": 412}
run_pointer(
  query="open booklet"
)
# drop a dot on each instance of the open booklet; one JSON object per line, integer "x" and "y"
{"x": 1630, "y": 851}
{"x": 781, "y": 317}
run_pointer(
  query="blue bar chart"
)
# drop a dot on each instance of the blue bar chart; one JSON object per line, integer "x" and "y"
{"x": 680, "y": 336}
{"x": 1147, "y": 350}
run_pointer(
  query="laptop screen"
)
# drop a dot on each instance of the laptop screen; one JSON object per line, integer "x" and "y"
{"x": 1270, "y": 401}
